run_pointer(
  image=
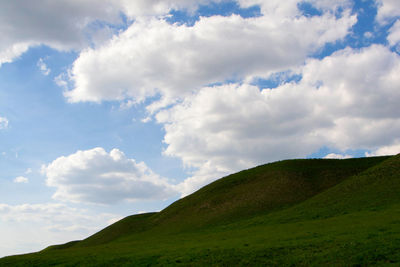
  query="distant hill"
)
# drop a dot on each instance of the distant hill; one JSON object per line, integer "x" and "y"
{"x": 292, "y": 212}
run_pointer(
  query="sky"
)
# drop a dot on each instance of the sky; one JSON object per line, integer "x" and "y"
{"x": 111, "y": 108}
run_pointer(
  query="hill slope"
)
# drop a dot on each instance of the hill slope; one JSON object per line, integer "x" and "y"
{"x": 245, "y": 194}
{"x": 288, "y": 212}
{"x": 261, "y": 190}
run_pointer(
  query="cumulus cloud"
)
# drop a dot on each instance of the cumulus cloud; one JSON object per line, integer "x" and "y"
{"x": 21, "y": 179}
{"x": 344, "y": 101}
{"x": 10, "y": 51}
{"x": 3, "y": 122}
{"x": 154, "y": 57}
{"x": 69, "y": 25}
{"x": 95, "y": 176}
{"x": 387, "y": 9}
{"x": 394, "y": 34}
{"x": 337, "y": 156}
{"x": 140, "y": 8}
{"x": 57, "y": 24}
{"x": 46, "y": 224}
{"x": 391, "y": 149}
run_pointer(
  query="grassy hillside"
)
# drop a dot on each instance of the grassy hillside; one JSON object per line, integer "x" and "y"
{"x": 301, "y": 212}
{"x": 261, "y": 190}
{"x": 245, "y": 194}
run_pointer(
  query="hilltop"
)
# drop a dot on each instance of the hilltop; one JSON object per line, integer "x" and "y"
{"x": 302, "y": 212}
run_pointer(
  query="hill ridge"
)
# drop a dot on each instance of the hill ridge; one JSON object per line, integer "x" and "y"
{"x": 346, "y": 213}
{"x": 297, "y": 180}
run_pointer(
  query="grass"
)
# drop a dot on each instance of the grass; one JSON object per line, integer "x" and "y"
{"x": 297, "y": 212}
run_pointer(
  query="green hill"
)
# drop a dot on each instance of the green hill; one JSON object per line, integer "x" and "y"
{"x": 293, "y": 212}
{"x": 245, "y": 194}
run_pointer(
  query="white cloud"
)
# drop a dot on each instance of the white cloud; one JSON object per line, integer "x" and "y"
{"x": 345, "y": 101}
{"x": 368, "y": 35}
{"x": 28, "y": 171}
{"x": 31, "y": 227}
{"x": 21, "y": 179}
{"x": 57, "y": 24}
{"x": 62, "y": 80}
{"x": 3, "y": 123}
{"x": 69, "y": 25}
{"x": 43, "y": 67}
{"x": 95, "y": 176}
{"x": 391, "y": 149}
{"x": 11, "y": 51}
{"x": 139, "y": 8}
{"x": 387, "y": 9}
{"x": 274, "y": 7}
{"x": 337, "y": 156}
{"x": 394, "y": 34}
{"x": 153, "y": 57}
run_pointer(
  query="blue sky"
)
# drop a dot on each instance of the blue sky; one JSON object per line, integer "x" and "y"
{"x": 122, "y": 108}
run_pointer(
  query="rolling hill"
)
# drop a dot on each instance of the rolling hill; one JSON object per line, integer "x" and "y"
{"x": 292, "y": 212}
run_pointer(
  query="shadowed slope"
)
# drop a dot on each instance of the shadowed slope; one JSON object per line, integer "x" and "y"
{"x": 261, "y": 190}
{"x": 248, "y": 193}
{"x": 374, "y": 189}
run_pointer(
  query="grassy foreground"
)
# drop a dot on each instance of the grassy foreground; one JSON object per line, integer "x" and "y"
{"x": 295, "y": 212}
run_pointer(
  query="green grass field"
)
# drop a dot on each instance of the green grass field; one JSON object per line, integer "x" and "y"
{"x": 289, "y": 213}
